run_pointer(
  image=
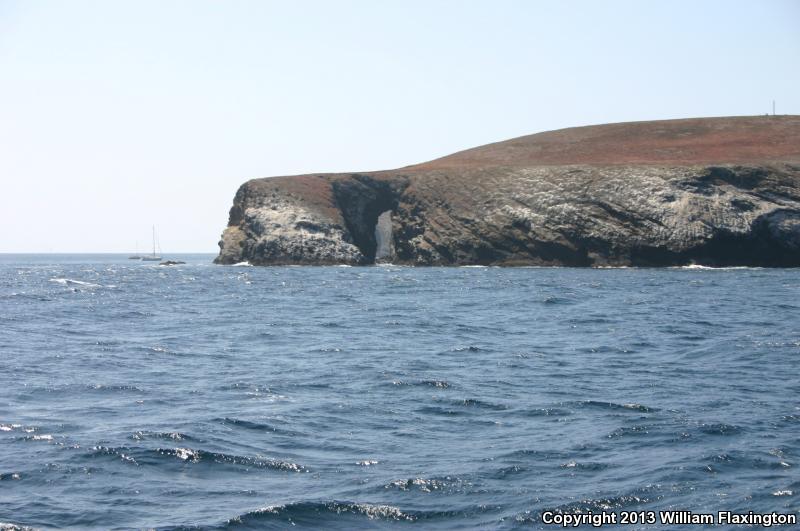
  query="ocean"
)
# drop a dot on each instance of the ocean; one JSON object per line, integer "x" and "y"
{"x": 134, "y": 396}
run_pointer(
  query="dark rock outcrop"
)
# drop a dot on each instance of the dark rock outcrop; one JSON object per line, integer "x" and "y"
{"x": 713, "y": 191}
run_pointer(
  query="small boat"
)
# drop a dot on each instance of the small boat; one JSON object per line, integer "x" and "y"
{"x": 152, "y": 257}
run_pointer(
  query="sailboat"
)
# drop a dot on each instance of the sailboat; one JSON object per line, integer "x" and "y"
{"x": 152, "y": 257}
{"x": 135, "y": 256}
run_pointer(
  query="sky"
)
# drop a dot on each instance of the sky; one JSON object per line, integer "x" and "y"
{"x": 116, "y": 116}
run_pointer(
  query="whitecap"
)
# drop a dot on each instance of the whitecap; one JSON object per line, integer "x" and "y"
{"x": 694, "y": 266}
{"x": 375, "y": 511}
{"x": 269, "y": 509}
{"x": 242, "y": 264}
{"x": 698, "y": 267}
{"x": 72, "y": 282}
{"x": 126, "y": 457}
{"x": 187, "y": 454}
{"x": 4, "y": 526}
{"x": 423, "y": 484}
{"x": 783, "y": 493}
{"x": 367, "y": 462}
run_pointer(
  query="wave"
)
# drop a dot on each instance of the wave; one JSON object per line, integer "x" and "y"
{"x": 439, "y": 384}
{"x": 310, "y": 513}
{"x": 114, "y": 388}
{"x": 478, "y": 404}
{"x": 588, "y": 465}
{"x": 790, "y": 418}
{"x": 45, "y": 437}
{"x": 72, "y": 282}
{"x": 146, "y": 456}
{"x": 256, "y": 426}
{"x": 242, "y": 264}
{"x": 720, "y": 428}
{"x": 160, "y": 435}
{"x": 5, "y": 526}
{"x": 446, "y": 483}
{"x": 590, "y": 320}
{"x": 437, "y": 410}
{"x": 641, "y": 496}
{"x": 197, "y": 456}
{"x": 537, "y": 455}
{"x": 739, "y": 460}
{"x": 596, "y": 404}
{"x": 557, "y": 300}
{"x": 72, "y": 389}
{"x": 544, "y": 412}
{"x": 504, "y": 472}
{"x": 33, "y": 433}
{"x": 468, "y": 348}
{"x": 340, "y": 514}
{"x": 626, "y": 431}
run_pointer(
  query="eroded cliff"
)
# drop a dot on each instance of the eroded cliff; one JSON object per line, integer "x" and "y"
{"x": 715, "y": 191}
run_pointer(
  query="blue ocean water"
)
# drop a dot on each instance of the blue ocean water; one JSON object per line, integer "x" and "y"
{"x": 215, "y": 397}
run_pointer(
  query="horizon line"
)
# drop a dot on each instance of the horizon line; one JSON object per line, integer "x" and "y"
{"x": 99, "y": 252}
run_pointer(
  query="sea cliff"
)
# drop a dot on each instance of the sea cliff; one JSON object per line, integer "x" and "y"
{"x": 707, "y": 191}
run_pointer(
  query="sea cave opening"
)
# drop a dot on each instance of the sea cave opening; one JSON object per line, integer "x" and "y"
{"x": 367, "y": 205}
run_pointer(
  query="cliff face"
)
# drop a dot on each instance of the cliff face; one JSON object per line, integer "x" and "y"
{"x": 716, "y": 191}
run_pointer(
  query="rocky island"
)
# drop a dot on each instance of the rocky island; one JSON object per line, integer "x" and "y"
{"x": 706, "y": 191}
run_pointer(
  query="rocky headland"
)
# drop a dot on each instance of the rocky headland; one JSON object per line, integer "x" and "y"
{"x": 706, "y": 191}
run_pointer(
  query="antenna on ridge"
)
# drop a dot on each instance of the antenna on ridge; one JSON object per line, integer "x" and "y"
{"x": 773, "y": 107}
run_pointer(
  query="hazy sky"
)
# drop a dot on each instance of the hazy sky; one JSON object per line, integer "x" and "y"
{"x": 118, "y": 115}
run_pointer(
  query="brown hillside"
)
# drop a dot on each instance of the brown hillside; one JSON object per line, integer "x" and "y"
{"x": 737, "y": 140}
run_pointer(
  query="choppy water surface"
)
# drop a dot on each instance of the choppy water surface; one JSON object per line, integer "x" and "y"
{"x": 211, "y": 397}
